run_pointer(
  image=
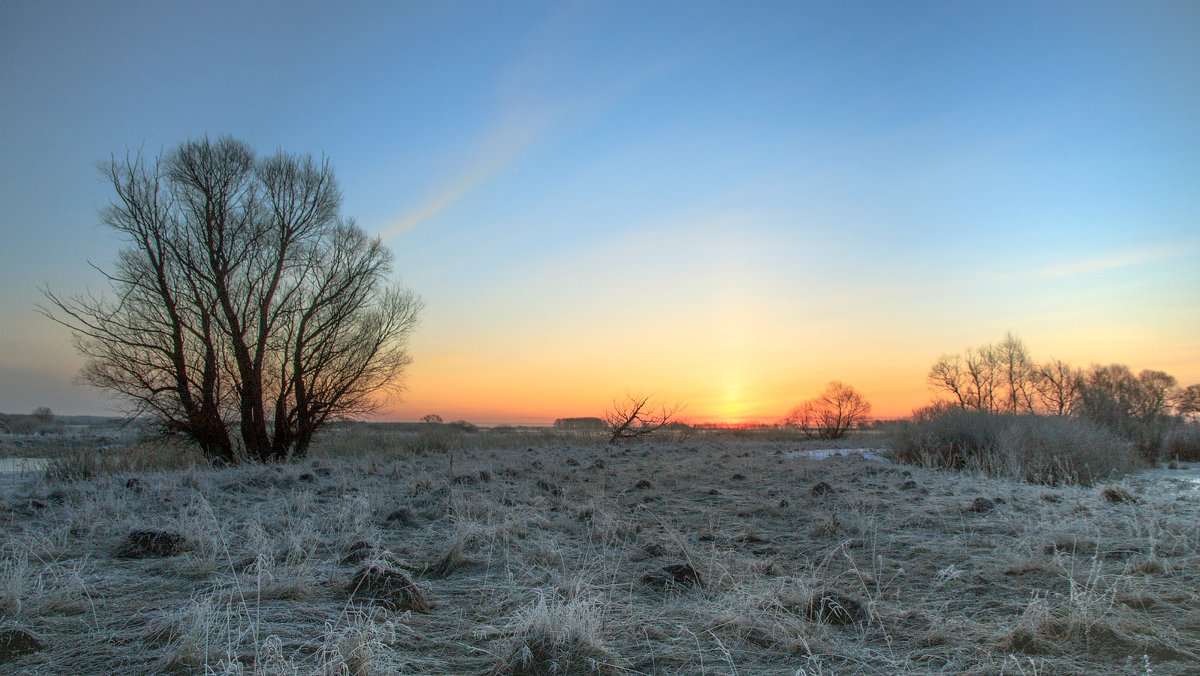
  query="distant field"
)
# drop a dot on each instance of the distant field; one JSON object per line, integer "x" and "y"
{"x": 542, "y": 554}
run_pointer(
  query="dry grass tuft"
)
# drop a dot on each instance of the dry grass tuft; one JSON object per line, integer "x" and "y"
{"x": 557, "y": 638}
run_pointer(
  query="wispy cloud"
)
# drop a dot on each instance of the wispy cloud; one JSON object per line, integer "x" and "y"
{"x": 1116, "y": 259}
{"x": 539, "y": 95}
{"x": 515, "y": 132}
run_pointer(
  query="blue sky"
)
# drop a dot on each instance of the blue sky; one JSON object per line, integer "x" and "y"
{"x": 725, "y": 203}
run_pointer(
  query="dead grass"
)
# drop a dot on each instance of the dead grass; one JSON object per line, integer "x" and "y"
{"x": 646, "y": 559}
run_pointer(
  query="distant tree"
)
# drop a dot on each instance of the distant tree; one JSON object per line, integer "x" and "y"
{"x": 1155, "y": 396}
{"x": 242, "y": 297}
{"x": 832, "y": 413}
{"x": 432, "y": 418}
{"x": 637, "y": 416}
{"x": 1187, "y": 401}
{"x": 1112, "y": 396}
{"x": 1016, "y": 374}
{"x": 982, "y": 376}
{"x": 948, "y": 375}
{"x": 992, "y": 378}
{"x": 972, "y": 379}
{"x": 43, "y": 414}
{"x": 1057, "y": 385}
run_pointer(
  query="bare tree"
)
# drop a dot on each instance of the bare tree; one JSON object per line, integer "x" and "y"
{"x": 948, "y": 374}
{"x": 1016, "y": 372}
{"x": 988, "y": 378}
{"x": 432, "y": 419}
{"x": 638, "y": 416}
{"x": 1057, "y": 385}
{"x": 1155, "y": 395}
{"x": 829, "y": 415}
{"x": 982, "y": 375}
{"x": 1187, "y": 401}
{"x": 241, "y": 295}
{"x": 1112, "y": 396}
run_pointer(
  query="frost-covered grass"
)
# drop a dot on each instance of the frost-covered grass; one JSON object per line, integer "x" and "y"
{"x": 535, "y": 557}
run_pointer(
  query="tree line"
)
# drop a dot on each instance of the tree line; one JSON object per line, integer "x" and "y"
{"x": 1004, "y": 378}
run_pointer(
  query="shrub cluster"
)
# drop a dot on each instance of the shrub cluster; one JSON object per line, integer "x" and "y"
{"x": 1040, "y": 449}
{"x": 1182, "y": 443}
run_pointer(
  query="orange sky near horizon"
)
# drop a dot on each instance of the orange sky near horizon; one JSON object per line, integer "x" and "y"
{"x": 756, "y": 386}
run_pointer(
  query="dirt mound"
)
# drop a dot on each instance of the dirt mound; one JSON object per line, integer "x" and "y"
{"x": 821, "y": 488}
{"x": 381, "y": 583}
{"x": 1117, "y": 495}
{"x": 143, "y": 544}
{"x": 17, "y": 642}
{"x": 834, "y": 607}
{"x": 674, "y": 576}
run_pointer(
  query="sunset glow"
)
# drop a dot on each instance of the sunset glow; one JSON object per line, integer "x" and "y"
{"x": 724, "y": 205}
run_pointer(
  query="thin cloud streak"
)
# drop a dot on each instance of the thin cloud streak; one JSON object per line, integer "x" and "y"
{"x": 529, "y": 116}
{"x": 1114, "y": 260}
{"x": 501, "y": 147}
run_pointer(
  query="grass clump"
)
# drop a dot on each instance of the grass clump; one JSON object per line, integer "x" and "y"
{"x": 557, "y": 637}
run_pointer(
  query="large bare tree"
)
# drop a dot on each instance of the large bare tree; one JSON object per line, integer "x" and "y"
{"x": 241, "y": 296}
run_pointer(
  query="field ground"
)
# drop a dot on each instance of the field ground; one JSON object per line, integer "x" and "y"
{"x": 680, "y": 557}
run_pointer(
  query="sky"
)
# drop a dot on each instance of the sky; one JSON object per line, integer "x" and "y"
{"x": 725, "y": 205}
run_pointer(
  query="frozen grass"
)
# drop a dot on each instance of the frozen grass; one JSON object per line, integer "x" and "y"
{"x": 547, "y": 558}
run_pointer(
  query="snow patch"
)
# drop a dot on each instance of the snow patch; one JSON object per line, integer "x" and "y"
{"x": 826, "y": 453}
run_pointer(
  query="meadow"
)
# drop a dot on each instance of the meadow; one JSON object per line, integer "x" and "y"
{"x": 522, "y": 552}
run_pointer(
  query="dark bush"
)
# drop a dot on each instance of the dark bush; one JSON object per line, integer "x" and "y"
{"x": 1040, "y": 449}
{"x": 1183, "y": 443}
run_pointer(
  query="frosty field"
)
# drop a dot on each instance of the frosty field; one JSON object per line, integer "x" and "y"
{"x": 551, "y": 555}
